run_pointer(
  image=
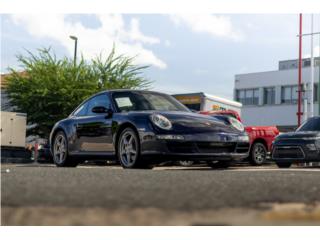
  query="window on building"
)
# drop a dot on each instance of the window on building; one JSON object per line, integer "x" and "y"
{"x": 289, "y": 94}
{"x": 241, "y": 94}
{"x": 248, "y": 96}
{"x": 269, "y": 95}
{"x": 315, "y": 93}
{"x": 307, "y": 63}
{"x": 256, "y": 96}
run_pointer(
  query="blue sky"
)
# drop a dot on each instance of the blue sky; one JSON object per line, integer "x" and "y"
{"x": 186, "y": 53}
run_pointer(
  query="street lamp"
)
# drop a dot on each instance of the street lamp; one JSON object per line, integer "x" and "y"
{"x": 312, "y": 73}
{"x": 75, "y": 48}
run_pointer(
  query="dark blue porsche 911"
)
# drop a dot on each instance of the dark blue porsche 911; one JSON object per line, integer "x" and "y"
{"x": 142, "y": 128}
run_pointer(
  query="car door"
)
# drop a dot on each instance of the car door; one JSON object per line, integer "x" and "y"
{"x": 93, "y": 130}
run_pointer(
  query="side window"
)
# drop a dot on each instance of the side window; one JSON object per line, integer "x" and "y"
{"x": 82, "y": 110}
{"x": 100, "y": 100}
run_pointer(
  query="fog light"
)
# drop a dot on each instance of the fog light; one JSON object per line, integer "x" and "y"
{"x": 311, "y": 147}
{"x": 170, "y": 137}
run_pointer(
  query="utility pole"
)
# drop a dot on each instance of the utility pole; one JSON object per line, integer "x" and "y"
{"x": 312, "y": 74}
{"x": 311, "y": 87}
{"x": 75, "y": 49}
{"x": 299, "y": 70}
{"x": 319, "y": 80}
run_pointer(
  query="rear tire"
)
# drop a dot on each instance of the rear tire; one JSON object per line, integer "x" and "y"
{"x": 219, "y": 164}
{"x": 283, "y": 164}
{"x": 60, "y": 151}
{"x": 258, "y": 154}
{"x": 128, "y": 150}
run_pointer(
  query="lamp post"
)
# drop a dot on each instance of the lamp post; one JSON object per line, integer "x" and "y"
{"x": 311, "y": 65}
{"x": 75, "y": 49}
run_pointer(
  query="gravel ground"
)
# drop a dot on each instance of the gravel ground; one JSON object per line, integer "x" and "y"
{"x": 102, "y": 195}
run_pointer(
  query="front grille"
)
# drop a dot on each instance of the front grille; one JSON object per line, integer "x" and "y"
{"x": 201, "y": 147}
{"x": 177, "y": 147}
{"x": 205, "y": 147}
{"x": 288, "y": 153}
{"x": 242, "y": 147}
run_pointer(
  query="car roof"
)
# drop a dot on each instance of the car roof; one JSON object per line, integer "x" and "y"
{"x": 127, "y": 90}
{"x": 315, "y": 117}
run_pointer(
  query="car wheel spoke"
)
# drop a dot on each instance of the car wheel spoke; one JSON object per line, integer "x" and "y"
{"x": 128, "y": 149}
{"x": 132, "y": 151}
{"x": 128, "y": 157}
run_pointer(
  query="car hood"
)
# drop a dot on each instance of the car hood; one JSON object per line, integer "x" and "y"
{"x": 295, "y": 135}
{"x": 191, "y": 122}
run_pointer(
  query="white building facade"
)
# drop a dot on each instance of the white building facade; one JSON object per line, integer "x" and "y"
{"x": 270, "y": 98}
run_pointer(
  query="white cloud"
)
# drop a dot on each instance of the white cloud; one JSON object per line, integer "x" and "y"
{"x": 200, "y": 71}
{"x": 129, "y": 40}
{"x": 216, "y": 26}
{"x": 167, "y": 43}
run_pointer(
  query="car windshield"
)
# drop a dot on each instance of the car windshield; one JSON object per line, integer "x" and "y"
{"x": 144, "y": 101}
{"x": 312, "y": 124}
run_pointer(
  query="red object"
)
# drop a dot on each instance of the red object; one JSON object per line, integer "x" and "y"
{"x": 263, "y": 134}
{"x": 299, "y": 71}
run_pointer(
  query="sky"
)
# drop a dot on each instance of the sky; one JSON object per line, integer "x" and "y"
{"x": 186, "y": 53}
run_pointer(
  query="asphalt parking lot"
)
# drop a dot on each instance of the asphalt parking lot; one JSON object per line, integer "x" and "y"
{"x": 34, "y": 194}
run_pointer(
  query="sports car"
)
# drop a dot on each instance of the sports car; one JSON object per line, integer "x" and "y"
{"x": 143, "y": 128}
{"x": 301, "y": 146}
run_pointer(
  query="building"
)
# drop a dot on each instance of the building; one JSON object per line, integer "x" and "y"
{"x": 270, "y": 98}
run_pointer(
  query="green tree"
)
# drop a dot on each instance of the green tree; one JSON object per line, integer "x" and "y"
{"x": 51, "y": 88}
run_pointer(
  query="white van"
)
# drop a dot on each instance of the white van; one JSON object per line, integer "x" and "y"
{"x": 205, "y": 102}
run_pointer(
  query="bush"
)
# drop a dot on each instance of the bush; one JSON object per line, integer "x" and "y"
{"x": 51, "y": 88}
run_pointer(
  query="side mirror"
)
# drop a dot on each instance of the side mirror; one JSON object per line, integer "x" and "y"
{"x": 102, "y": 109}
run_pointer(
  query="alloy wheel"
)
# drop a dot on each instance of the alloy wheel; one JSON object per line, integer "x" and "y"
{"x": 259, "y": 153}
{"x": 60, "y": 149}
{"x": 128, "y": 149}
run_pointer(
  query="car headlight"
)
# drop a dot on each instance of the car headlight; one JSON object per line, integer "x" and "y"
{"x": 161, "y": 121}
{"x": 236, "y": 124}
{"x": 244, "y": 138}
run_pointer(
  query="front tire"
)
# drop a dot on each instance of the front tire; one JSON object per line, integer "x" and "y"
{"x": 284, "y": 164}
{"x": 60, "y": 151}
{"x": 258, "y": 154}
{"x": 128, "y": 150}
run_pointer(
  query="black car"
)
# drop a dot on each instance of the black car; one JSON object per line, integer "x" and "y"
{"x": 142, "y": 128}
{"x": 301, "y": 146}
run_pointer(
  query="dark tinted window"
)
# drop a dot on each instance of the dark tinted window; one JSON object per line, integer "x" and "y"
{"x": 100, "y": 100}
{"x": 81, "y": 110}
{"x": 312, "y": 124}
{"x": 144, "y": 101}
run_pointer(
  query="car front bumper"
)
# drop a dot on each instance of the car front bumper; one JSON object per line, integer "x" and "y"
{"x": 194, "y": 146}
{"x": 297, "y": 153}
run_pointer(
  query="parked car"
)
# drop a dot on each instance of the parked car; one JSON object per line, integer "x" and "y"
{"x": 43, "y": 154}
{"x": 141, "y": 128}
{"x": 261, "y": 137}
{"x": 301, "y": 146}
